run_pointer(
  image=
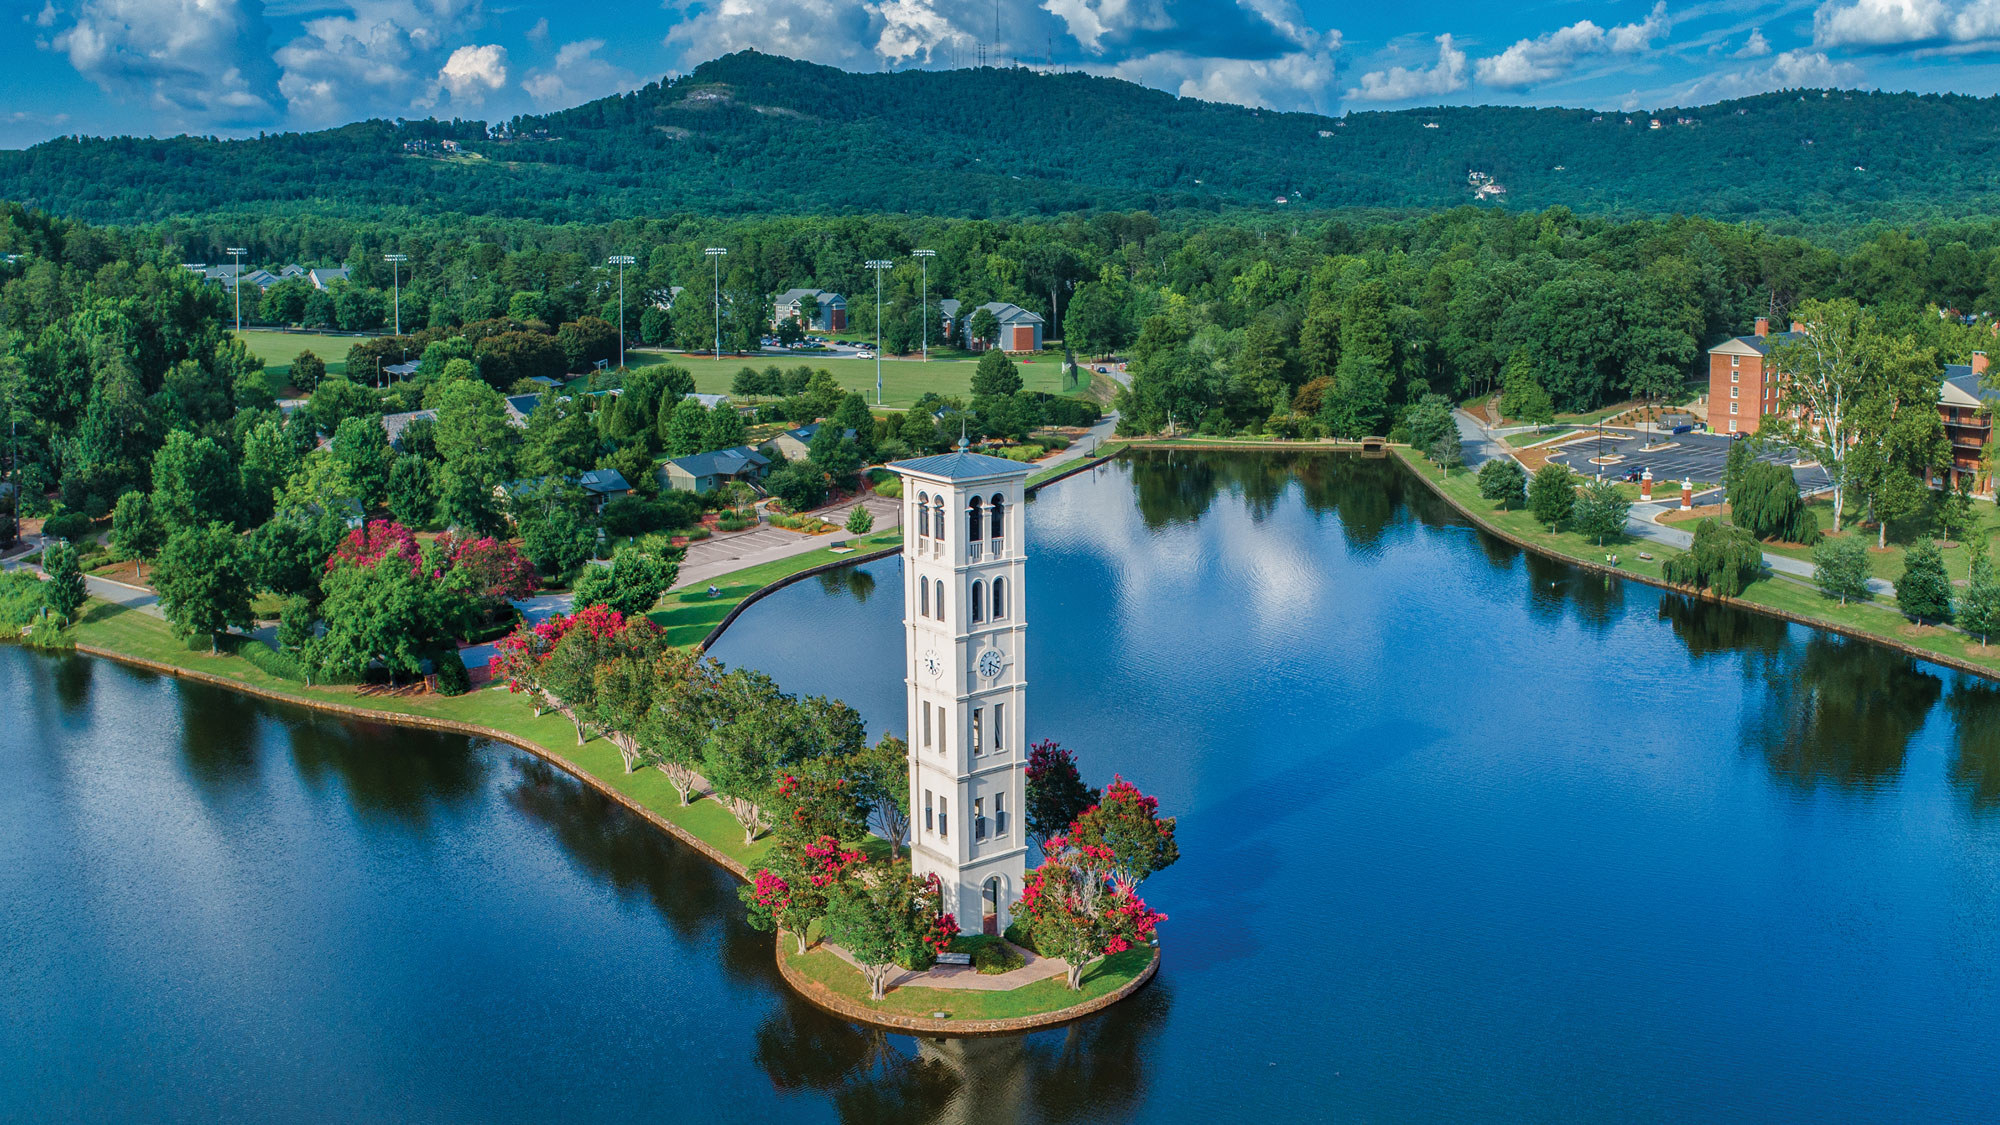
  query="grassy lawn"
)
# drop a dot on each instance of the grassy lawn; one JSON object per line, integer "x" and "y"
{"x": 1537, "y": 437}
{"x": 1780, "y": 593}
{"x": 837, "y": 976}
{"x": 1107, "y": 449}
{"x": 688, "y": 615}
{"x": 903, "y": 380}
{"x": 1889, "y": 563}
{"x": 278, "y": 349}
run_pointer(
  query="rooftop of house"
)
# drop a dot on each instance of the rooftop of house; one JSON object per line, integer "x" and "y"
{"x": 805, "y": 433}
{"x": 1008, "y": 313}
{"x": 720, "y": 462}
{"x": 604, "y": 480}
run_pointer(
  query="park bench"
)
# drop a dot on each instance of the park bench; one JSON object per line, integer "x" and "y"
{"x": 954, "y": 958}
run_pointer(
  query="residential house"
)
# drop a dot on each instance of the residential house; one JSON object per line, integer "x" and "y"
{"x": 948, "y": 317}
{"x": 520, "y": 406}
{"x": 324, "y": 278}
{"x": 831, "y": 315}
{"x": 1020, "y": 330}
{"x": 796, "y": 444}
{"x": 605, "y": 485}
{"x": 705, "y": 472}
{"x": 395, "y": 424}
{"x": 1742, "y": 384}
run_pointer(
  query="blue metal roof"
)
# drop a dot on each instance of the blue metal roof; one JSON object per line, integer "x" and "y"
{"x": 962, "y": 466}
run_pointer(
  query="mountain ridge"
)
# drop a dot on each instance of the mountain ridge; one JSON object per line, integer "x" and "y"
{"x": 756, "y": 134}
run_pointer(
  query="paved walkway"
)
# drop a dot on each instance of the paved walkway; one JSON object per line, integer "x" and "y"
{"x": 965, "y": 978}
{"x": 714, "y": 557}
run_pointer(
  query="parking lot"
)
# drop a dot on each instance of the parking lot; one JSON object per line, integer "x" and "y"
{"x": 1691, "y": 456}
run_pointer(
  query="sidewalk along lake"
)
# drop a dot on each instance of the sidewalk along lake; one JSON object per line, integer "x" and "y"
{"x": 1466, "y": 835}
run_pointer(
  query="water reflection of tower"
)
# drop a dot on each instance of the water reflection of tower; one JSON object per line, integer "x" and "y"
{"x": 994, "y": 1079}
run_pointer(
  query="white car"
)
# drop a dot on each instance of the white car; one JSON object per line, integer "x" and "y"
{"x": 864, "y": 354}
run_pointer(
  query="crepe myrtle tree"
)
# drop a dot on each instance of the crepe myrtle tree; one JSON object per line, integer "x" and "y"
{"x": 798, "y": 886}
{"x": 1056, "y": 792}
{"x": 1080, "y": 909}
{"x": 886, "y": 914}
{"x": 1128, "y": 824}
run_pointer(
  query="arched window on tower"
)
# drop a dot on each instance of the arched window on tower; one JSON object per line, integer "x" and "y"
{"x": 999, "y": 520}
{"x": 937, "y": 518}
{"x": 999, "y": 599}
{"x": 972, "y": 527}
{"x": 923, "y": 596}
{"x": 923, "y": 515}
{"x": 978, "y": 602}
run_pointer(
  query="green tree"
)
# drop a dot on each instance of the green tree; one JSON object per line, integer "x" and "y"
{"x": 268, "y": 459}
{"x": 361, "y": 448}
{"x": 1055, "y": 791}
{"x": 1600, "y": 511}
{"x": 1742, "y": 455}
{"x": 1766, "y": 502}
{"x": 194, "y": 482}
{"x": 996, "y": 375}
{"x": 203, "y": 584}
{"x": 384, "y": 611}
{"x": 798, "y": 484}
{"x": 473, "y": 436}
{"x": 413, "y": 489}
{"x": 880, "y": 775}
{"x": 1840, "y": 566}
{"x": 1924, "y": 590}
{"x": 724, "y": 428}
{"x": 1504, "y": 479}
{"x": 1951, "y": 510}
{"x": 586, "y": 340}
{"x": 64, "y": 591}
{"x": 686, "y": 428}
{"x": 1448, "y": 451}
{"x": 860, "y": 521}
{"x": 632, "y": 581}
{"x": 136, "y": 533}
{"x": 1551, "y": 495}
{"x": 1428, "y": 421}
{"x": 984, "y": 327}
{"x": 1979, "y": 606}
{"x": 1129, "y": 823}
{"x": 881, "y": 917}
{"x": 307, "y": 371}
{"x": 561, "y": 440}
{"x": 1725, "y": 559}
{"x": 337, "y": 399}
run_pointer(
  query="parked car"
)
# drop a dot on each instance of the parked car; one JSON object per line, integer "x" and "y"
{"x": 1633, "y": 474}
{"x": 864, "y": 354}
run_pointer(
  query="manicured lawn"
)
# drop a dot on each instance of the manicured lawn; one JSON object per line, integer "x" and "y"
{"x": 688, "y": 615}
{"x": 1781, "y": 593}
{"x": 1108, "y": 449}
{"x": 1537, "y": 437}
{"x": 903, "y": 380}
{"x": 278, "y": 349}
{"x": 1889, "y": 563}
{"x": 838, "y": 976}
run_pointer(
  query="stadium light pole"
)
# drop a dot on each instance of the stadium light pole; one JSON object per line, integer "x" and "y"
{"x": 715, "y": 254}
{"x": 923, "y": 258}
{"x": 396, "y": 281}
{"x": 236, "y": 253}
{"x": 621, "y": 261}
{"x": 878, "y": 265}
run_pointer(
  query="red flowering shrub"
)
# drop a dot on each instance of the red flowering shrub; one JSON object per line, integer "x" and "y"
{"x": 366, "y": 545}
{"x": 794, "y": 891}
{"x": 1128, "y": 823}
{"x": 490, "y": 570}
{"x": 1080, "y": 908}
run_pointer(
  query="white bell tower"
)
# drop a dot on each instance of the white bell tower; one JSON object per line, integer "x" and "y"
{"x": 965, "y": 642}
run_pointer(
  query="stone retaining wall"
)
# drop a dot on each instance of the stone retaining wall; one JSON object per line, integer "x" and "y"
{"x": 824, "y": 998}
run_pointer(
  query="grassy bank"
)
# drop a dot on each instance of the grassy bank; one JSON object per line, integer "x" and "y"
{"x": 688, "y": 614}
{"x": 828, "y": 971}
{"x": 1781, "y": 595}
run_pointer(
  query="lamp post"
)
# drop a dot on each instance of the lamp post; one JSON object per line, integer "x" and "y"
{"x": 715, "y": 254}
{"x": 236, "y": 253}
{"x": 621, "y": 261}
{"x": 878, "y": 265}
{"x": 396, "y": 280}
{"x": 924, "y": 257}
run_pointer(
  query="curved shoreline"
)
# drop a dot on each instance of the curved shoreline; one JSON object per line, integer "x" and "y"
{"x": 1957, "y": 664}
{"x": 806, "y": 989}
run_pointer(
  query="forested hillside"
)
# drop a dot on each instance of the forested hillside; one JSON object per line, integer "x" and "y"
{"x": 751, "y": 133}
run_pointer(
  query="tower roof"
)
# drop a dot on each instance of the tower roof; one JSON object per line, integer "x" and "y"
{"x": 961, "y": 466}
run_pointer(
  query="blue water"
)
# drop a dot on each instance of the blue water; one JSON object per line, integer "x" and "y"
{"x": 1466, "y": 836}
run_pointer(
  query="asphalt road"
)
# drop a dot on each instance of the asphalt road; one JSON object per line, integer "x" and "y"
{"x": 1697, "y": 457}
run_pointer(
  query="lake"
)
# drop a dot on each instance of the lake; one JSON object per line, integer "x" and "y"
{"x": 1466, "y": 835}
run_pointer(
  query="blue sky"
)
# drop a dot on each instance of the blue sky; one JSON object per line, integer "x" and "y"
{"x": 235, "y": 67}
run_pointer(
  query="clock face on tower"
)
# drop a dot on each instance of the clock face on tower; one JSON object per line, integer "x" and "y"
{"x": 990, "y": 663}
{"x": 932, "y": 664}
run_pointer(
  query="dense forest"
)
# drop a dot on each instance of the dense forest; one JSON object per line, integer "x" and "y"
{"x": 108, "y": 339}
{"x": 750, "y": 133}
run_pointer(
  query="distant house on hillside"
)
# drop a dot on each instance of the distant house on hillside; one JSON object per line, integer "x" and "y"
{"x": 1020, "y": 330}
{"x": 703, "y": 473}
{"x": 830, "y": 316}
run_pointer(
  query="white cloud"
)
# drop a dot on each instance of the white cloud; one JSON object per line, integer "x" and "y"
{"x": 196, "y": 61}
{"x": 1089, "y": 21}
{"x": 823, "y": 31}
{"x": 1879, "y": 23}
{"x": 1756, "y": 47}
{"x": 1295, "y": 80}
{"x": 472, "y": 72}
{"x": 1788, "y": 71}
{"x": 1399, "y": 83}
{"x": 1551, "y": 55}
{"x": 1977, "y": 20}
{"x": 911, "y": 29}
{"x": 378, "y": 56}
{"x": 577, "y": 75}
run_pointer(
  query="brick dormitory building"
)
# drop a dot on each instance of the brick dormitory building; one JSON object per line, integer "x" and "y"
{"x": 1743, "y": 386}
